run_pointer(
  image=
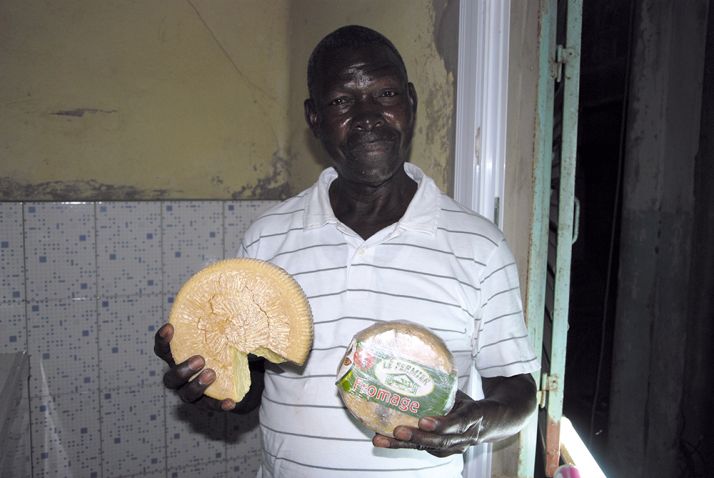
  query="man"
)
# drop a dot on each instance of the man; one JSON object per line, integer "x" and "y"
{"x": 375, "y": 240}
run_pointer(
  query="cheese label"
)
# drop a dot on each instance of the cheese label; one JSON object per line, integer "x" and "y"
{"x": 383, "y": 377}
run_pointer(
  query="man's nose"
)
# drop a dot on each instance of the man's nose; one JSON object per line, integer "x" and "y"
{"x": 368, "y": 118}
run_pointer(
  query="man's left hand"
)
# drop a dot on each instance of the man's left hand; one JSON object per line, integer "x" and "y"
{"x": 509, "y": 402}
{"x": 440, "y": 436}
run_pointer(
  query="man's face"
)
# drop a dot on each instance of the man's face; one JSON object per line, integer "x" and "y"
{"x": 363, "y": 112}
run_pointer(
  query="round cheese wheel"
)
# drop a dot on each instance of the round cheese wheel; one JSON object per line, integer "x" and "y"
{"x": 236, "y": 307}
{"x": 394, "y": 373}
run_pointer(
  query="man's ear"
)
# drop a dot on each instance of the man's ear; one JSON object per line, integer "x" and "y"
{"x": 311, "y": 116}
{"x": 411, "y": 92}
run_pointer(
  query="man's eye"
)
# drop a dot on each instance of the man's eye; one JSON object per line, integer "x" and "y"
{"x": 338, "y": 101}
{"x": 389, "y": 93}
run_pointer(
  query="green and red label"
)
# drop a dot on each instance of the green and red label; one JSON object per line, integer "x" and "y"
{"x": 383, "y": 377}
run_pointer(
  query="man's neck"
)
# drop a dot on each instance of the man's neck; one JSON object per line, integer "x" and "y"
{"x": 369, "y": 209}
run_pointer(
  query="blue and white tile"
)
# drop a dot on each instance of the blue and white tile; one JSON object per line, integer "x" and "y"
{"x": 60, "y": 254}
{"x": 133, "y": 431}
{"x": 156, "y": 474}
{"x": 65, "y": 435}
{"x": 14, "y": 327}
{"x": 213, "y": 469}
{"x": 126, "y": 341}
{"x": 129, "y": 248}
{"x": 12, "y": 255}
{"x": 243, "y": 438}
{"x": 192, "y": 239}
{"x": 244, "y": 467}
{"x": 63, "y": 347}
{"x": 193, "y": 435}
{"x": 238, "y": 216}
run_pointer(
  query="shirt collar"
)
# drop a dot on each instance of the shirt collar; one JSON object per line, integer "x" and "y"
{"x": 420, "y": 216}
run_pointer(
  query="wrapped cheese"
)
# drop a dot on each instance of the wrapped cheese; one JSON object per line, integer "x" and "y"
{"x": 236, "y": 307}
{"x": 394, "y": 373}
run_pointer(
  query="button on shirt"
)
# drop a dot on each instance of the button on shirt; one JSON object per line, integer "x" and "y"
{"x": 441, "y": 265}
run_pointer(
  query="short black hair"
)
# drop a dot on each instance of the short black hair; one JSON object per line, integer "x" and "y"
{"x": 351, "y": 36}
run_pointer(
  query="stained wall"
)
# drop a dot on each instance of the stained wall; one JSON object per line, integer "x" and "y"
{"x": 195, "y": 99}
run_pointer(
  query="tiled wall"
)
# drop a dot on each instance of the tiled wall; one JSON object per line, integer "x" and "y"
{"x": 83, "y": 288}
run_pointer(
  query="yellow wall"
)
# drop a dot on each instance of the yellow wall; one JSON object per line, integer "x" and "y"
{"x": 520, "y": 145}
{"x": 186, "y": 99}
{"x": 520, "y": 134}
{"x": 141, "y": 100}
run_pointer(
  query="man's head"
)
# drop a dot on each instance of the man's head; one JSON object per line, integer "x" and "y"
{"x": 352, "y": 36}
{"x": 361, "y": 106}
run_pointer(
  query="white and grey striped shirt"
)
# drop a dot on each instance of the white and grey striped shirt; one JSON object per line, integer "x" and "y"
{"x": 441, "y": 265}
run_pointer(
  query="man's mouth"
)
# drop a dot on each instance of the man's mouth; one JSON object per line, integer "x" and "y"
{"x": 372, "y": 142}
{"x": 373, "y": 146}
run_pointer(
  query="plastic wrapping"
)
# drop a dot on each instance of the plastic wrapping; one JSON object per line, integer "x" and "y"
{"x": 395, "y": 373}
{"x": 14, "y": 415}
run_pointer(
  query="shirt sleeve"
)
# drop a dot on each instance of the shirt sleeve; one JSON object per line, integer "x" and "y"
{"x": 242, "y": 250}
{"x": 249, "y": 243}
{"x": 502, "y": 347}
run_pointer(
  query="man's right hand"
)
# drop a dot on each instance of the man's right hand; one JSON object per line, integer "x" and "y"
{"x": 178, "y": 377}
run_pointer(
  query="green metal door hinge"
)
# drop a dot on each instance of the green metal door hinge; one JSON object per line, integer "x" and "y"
{"x": 548, "y": 383}
{"x": 562, "y": 56}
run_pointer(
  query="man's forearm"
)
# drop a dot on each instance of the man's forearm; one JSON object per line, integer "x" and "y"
{"x": 508, "y": 403}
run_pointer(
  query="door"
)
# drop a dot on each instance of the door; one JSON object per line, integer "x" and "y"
{"x": 554, "y": 224}
{"x": 480, "y": 155}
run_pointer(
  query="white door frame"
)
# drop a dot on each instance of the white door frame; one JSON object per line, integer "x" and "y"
{"x": 481, "y": 106}
{"x": 480, "y": 153}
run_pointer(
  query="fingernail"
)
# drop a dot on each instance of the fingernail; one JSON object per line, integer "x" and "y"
{"x": 195, "y": 363}
{"x": 381, "y": 442}
{"x": 206, "y": 377}
{"x": 228, "y": 404}
{"x": 404, "y": 434}
{"x": 428, "y": 424}
{"x": 164, "y": 331}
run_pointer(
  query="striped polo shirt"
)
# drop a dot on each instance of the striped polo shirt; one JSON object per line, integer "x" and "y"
{"x": 441, "y": 265}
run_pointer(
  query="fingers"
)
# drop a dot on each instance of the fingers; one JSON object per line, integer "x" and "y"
{"x": 436, "y": 445}
{"x": 227, "y": 405}
{"x": 381, "y": 441}
{"x": 195, "y": 389}
{"x": 178, "y": 375}
{"x": 462, "y": 418}
{"x": 454, "y": 423}
{"x": 443, "y": 435}
{"x": 178, "y": 378}
{"x": 161, "y": 343}
{"x": 407, "y": 437}
{"x": 209, "y": 403}
{"x": 423, "y": 440}
{"x": 440, "y": 436}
